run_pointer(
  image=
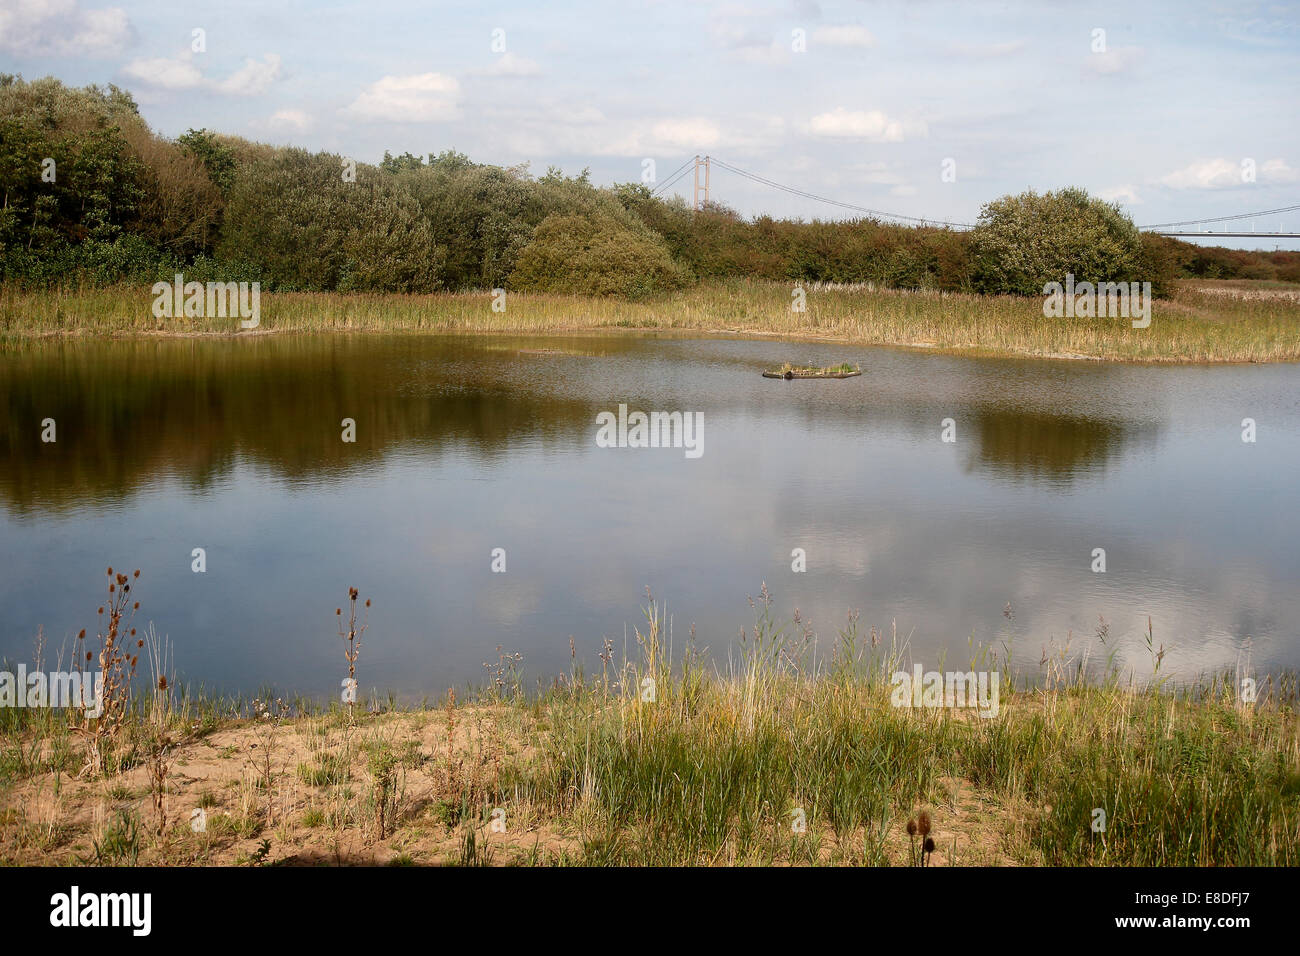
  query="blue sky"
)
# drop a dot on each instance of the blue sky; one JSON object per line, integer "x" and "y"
{"x": 1162, "y": 112}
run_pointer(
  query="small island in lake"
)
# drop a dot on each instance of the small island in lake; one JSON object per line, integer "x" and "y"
{"x": 788, "y": 371}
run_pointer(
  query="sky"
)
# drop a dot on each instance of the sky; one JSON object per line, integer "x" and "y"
{"x": 1177, "y": 110}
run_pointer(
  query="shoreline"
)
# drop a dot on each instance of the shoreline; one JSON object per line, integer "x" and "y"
{"x": 1203, "y": 324}
{"x": 708, "y": 771}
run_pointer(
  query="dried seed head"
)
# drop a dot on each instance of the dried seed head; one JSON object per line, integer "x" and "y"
{"x": 911, "y": 828}
{"x": 135, "y": 606}
{"x": 367, "y": 602}
{"x": 110, "y": 572}
{"x": 338, "y": 611}
{"x": 137, "y": 573}
{"x": 923, "y": 822}
{"x": 121, "y": 579}
{"x": 87, "y": 655}
{"x": 133, "y": 660}
{"x": 352, "y": 593}
{"x": 112, "y": 588}
{"x": 139, "y": 643}
{"x": 101, "y": 609}
{"x": 929, "y": 844}
{"x": 162, "y": 683}
{"x": 82, "y": 635}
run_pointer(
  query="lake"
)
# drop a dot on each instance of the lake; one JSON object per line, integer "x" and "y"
{"x": 466, "y": 445}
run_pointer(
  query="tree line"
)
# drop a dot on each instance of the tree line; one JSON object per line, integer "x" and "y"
{"x": 92, "y": 194}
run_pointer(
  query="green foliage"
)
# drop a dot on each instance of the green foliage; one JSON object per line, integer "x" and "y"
{"x": 594, "y": 257}
{"x": 480, "y": 216}
{"x": 88, "y": 191}
{"x": 120, "y": 844}
{"x": 218, "y": 158}
{"x": 391, "y": 164}
{"x": 716, "y": 242}
{"x": 1214, "y": 262}
{"x": 129, "y": 205}
{"x": 1159, "y": 263}
{"x": 1023, "y": 242}
{"x": 296, "y": 222}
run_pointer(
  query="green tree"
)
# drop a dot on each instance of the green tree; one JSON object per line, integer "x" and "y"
{"x": 395, "y": 164}
{"x": 217, "y": 157}
{"x": 571, "y": 254}
{"x": 296, "y": 223}
{"x": 1023, "y": 242}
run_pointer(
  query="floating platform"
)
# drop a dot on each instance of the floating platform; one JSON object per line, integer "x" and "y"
{"x": 793, "y": 373}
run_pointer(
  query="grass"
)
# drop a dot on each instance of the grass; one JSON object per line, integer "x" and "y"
{"x": 709, "y": 769}
{"x": 787, "y": 370}
{"x": 1202, "y": 322}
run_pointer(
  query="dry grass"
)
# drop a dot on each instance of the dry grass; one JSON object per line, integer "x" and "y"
{"x": 323, "y": 803}
{"x": 650, "y": 765}
{"x": 1201, "y": 323}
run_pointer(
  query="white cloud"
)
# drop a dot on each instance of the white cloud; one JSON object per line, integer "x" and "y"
{"x": 1223, "y": 173}
{"x": 61, "y": 28}
{"x": 295, "y": 121}
{"x": 1120, "y": 59}
{"x": 665, "y": 137}
{"x": 850, "y": 35}
{"x": 167, "y": 73}
{"x": 1206, "y": 174}
{"x": 181, "y": 72}
{"x": 751, "y": 44}
{"x": 557, "y": 128}
{"x": 419, "y": 98}
{"x": 1126, "y": 195}
{"x": 737, "y": 37}
{"x": 987, "y": 50}
{"x": 507, "y": 64}
{"x": 876, "y": 173}
{"x": 1277, "y": 171}
{"x": 686, "y": 133}
{"x": 253, "y": 78}
{"x": 872, "y": 125}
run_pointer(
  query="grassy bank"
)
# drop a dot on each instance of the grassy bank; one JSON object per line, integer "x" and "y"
{"x": 714, "y": 770}
{"x": 1203, "y": 322}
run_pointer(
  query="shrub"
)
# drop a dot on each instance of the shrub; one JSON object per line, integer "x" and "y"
{"x": 1023, "y": 242}
{"x": 1159, "y": 263}
{"x": 570, "y": 254}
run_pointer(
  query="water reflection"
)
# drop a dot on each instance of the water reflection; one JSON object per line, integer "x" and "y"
{"x": 1030, "y": 444}
{"x": 465, "y": 444}
{"x": 129, "y": 412}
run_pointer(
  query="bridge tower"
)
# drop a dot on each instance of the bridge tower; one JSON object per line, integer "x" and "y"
{"x": 702, "y": 188}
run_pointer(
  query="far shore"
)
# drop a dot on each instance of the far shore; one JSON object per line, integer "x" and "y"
{"x": 1201, "y": 323}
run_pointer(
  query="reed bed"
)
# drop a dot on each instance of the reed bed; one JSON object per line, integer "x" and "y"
{"x": 1202, "y": 322}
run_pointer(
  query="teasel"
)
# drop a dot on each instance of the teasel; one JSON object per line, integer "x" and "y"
{"x": 923, "y": 827}
{"x": 352, "y": 635}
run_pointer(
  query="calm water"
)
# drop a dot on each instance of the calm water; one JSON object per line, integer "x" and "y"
{"x": 466, "y": 445}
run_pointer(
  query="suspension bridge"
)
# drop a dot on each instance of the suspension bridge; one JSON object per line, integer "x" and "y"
{"x": 702, "y": 167}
